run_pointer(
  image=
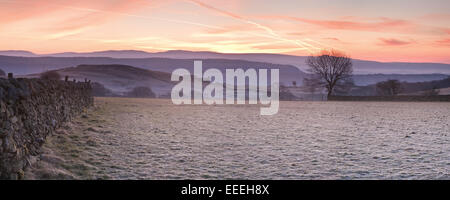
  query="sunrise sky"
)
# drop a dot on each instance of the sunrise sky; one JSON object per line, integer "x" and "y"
{"x": 382, "y": 30}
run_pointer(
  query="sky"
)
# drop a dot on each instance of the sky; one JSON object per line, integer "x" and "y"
{"x": 382, "y": 30}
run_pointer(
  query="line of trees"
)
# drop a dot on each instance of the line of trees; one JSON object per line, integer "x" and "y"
{"x": 395, "y": 87}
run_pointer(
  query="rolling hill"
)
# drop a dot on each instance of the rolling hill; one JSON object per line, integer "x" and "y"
{"x": 119, "y": 79}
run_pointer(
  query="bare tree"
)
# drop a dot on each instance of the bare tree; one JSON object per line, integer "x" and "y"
{"x": 331, "y": 66}
{"x": 388, "y": 88}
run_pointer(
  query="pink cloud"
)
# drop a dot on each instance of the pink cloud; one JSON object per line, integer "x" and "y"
{"x": 436, "y": 16}
{"x": 380, "y": 24}
{"x": 443, "y": 42}
{"x": 446, "y": 30}
{"x": 332, "y": 38}
{"x": 18, "y": 10}
{"x": 393, "y": 42}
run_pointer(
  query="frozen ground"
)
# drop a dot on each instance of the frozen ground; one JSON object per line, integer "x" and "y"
{"x": 153, "y": 139}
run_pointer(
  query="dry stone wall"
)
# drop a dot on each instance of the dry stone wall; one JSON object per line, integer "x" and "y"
{"x": 30, "y": 109}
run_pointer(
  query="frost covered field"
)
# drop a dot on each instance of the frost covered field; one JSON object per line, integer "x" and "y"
{"x": 153, "y": 139}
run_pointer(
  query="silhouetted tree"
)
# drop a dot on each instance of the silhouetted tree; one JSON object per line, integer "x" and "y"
{"x": 141, "y": 91}
{"x": 388, "y": 88}
{"x": 294, "y": 83}
{"x": 2, "y": 73}
{"x": 331, "y": 66}
{"x": 50, "y": 75}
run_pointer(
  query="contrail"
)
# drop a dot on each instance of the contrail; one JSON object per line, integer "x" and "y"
{"x": 143, "y": 17}
{"x": 271, "y": 32}
{"x": 322, "y": 44}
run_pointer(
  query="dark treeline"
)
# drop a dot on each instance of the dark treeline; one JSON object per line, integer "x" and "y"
{"x": 404, "y": 87}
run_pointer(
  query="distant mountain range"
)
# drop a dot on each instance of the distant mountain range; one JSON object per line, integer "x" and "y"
{"x": 360, "y": 66}
{"x": 288, "y": 73}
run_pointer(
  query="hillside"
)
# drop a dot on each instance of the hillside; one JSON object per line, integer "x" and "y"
{"x": 120, "y": 78}
{"x": 18, "y": 53}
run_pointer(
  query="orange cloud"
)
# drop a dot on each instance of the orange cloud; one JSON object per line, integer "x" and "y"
{"x": 91, "y": 12}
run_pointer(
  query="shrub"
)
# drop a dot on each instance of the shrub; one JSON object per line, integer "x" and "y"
{"x": 389, "y": 87}
{"x": 141, "y": 91}
{"x": 51, "y": 75}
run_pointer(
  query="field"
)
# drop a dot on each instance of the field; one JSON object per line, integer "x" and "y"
{"x": 124, "y": 138}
